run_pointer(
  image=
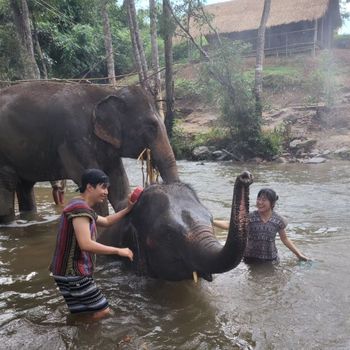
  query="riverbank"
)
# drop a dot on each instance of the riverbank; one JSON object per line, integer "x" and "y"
{"x": 315, "y": 120}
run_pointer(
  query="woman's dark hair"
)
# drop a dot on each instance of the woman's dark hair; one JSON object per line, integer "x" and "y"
{"x": 270, "y": 194}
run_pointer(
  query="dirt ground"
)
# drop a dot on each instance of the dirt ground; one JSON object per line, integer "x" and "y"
{"x": 330, "y": 127}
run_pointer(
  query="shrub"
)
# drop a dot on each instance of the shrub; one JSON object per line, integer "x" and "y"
{"x": 181, "y": 142}
{"x": 218, "y": 137}
{"x": 271, "y": 143}
{"x": 185, "y": 88}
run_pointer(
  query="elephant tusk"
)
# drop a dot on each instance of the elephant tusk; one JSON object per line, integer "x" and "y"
{"x": 195, "y": 276}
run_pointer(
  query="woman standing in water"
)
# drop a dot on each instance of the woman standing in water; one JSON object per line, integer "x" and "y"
{"x": 264, "y": 224}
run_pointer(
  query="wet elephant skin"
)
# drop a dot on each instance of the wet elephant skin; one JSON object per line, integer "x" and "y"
{"x": 51, "y": 131}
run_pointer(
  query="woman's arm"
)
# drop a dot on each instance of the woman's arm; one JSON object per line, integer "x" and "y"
{"x": 82, "y": 233}
{"x": 291, "y": 246}
{"x": 222, "y": 224}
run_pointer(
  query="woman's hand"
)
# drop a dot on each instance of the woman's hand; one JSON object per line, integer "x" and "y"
{"x": 303, "y": 257}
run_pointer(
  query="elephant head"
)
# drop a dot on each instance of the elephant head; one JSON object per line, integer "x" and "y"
{"x": 129, "y": 121}
{"x": 172, "y": 233}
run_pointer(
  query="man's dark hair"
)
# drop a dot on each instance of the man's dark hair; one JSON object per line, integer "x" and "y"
{"x": 93, "y": 177}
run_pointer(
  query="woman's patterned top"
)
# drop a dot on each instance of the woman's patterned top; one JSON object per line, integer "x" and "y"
{"x": 261, "y": 236}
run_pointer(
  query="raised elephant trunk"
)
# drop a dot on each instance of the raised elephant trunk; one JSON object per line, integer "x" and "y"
{"x": 212, "y": 257}
{"x": 172, "y": 235}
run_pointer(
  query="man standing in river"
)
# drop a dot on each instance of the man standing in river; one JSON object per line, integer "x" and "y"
{"x": 73, "y": 262}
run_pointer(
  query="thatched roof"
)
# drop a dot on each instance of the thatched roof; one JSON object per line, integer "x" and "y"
{"x": 241, "y": 15}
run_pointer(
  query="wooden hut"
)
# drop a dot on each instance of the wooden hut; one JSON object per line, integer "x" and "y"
{"x": 293, "y": 25}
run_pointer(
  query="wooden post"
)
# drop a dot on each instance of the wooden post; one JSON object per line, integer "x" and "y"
{"x": 330, "y": 31}
{"x": 315, "y": 38}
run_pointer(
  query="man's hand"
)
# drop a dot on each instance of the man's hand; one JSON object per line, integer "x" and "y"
{"x": 130, "y": 203}
{"x": 126, "y": 252}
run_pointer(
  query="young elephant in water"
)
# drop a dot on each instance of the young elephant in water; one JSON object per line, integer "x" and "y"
{"x": 172, "y": 236}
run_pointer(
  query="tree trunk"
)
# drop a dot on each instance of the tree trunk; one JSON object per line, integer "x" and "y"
{"x": 136, "y": 52}
{"x": 260, "y": 46}
{"x": 156, "y": 88}
{"x": 23, "y": 31}
{"x": 139, "y": 52}
{"x": 39, "y": 51}
{"x": 168, "y": 53}
{"x": 188, "y": 21}
{"x": 108, "y": 42}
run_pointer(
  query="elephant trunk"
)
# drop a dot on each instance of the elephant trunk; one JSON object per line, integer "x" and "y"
{"x": 163, "y": 158}
{"x": 211, "y": 255}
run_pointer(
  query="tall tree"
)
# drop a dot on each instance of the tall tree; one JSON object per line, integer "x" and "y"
{"x": 168, "y": 56}
{"x": 260, "y": 47}
{"x": 139, "y": 52}
{"x": 39, "y": 50}
{"x": 108, "y": 42}
{"x": 156, "y": 88}
{"x": 23, "y": 30}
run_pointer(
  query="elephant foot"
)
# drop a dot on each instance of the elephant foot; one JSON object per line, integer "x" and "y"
{"x": 28, "y": 215}
{"x": 6, "y": 219}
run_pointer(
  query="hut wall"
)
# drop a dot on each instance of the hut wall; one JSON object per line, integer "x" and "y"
{"x": 283, "y": 39}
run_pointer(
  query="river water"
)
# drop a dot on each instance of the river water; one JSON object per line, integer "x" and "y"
{"x": 294, "y": 305}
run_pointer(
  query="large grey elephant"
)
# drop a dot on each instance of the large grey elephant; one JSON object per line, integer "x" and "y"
{"x": 171, "y": 232}
{"x": 51, "y": 131}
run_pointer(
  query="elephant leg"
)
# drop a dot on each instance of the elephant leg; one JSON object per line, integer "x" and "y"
{"x": 25, "y": 196}
{"x": 7, "y": 205}
{"x": 73, "y": 166}
{"x": 8, "y": 179}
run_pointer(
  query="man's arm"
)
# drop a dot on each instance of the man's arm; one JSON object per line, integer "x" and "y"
{"x": 109, "y": 220}
{"x": 82, "y": 233}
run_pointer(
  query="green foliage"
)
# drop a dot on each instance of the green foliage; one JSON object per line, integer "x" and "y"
{"x": 281, "y": 77}
{"x": 271, "y": 143}
{"x": 71, "y": 38}
{"x": 218, "y": 137}
{"x": 181, "y": 142}
{"x": 180, "y": 52}
{"x": 185, "y": 88}
{"x": 184, "y": 52}
{"x": 77, "y": 50}
{"x": 10, "y": 65}
{"x": 234, "y": 94}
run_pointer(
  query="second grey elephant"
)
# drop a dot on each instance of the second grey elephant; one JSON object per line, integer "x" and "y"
{"x": 51, "y": 131}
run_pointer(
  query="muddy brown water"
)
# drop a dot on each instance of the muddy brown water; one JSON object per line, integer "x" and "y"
{"x": 293, "y": 305}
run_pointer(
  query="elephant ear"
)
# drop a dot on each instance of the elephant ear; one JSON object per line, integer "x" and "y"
{"x": 107, "y": 120}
